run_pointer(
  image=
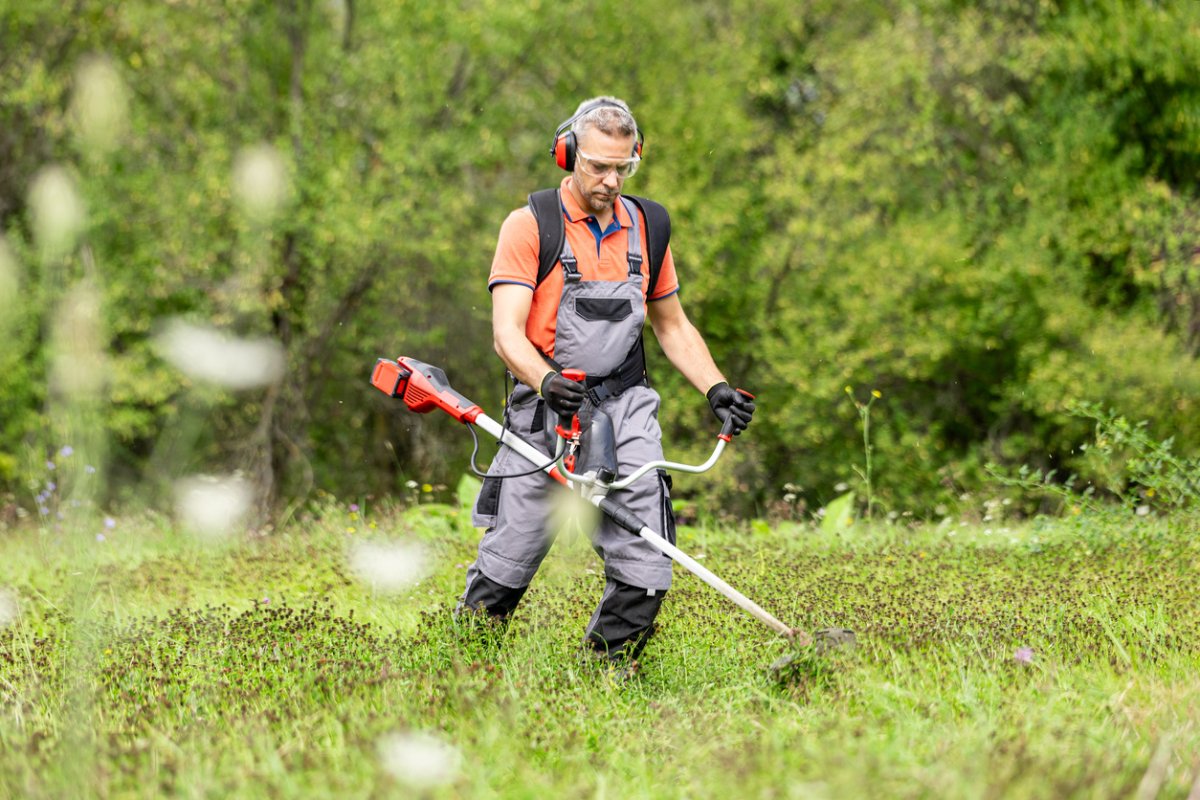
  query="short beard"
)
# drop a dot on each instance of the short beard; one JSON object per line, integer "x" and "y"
{"x": 588, "y": 198}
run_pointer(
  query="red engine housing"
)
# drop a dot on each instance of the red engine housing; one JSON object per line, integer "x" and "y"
{"x": 423, "y": 388}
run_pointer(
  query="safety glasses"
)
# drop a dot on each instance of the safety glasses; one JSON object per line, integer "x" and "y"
{"x": 600, "y": 167}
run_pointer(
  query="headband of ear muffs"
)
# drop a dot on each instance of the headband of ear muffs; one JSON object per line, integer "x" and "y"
{"x": 565, "y": 146}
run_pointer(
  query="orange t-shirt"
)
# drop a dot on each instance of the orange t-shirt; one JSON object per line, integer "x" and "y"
{"x": 516, "y": 261}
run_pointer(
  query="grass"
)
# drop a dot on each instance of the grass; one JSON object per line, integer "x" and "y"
{"x": 152, "y": 664}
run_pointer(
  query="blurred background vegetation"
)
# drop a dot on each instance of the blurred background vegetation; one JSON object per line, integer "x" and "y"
{"x": 983, "y": 211}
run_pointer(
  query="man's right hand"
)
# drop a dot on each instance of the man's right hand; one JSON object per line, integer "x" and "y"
{"x": 563, "y": 396}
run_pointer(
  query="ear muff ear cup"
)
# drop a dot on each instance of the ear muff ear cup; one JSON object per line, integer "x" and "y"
{"x": 564, "y": 151}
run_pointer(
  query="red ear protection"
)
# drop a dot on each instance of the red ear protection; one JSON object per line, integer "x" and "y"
{"x": 564, "y": 147}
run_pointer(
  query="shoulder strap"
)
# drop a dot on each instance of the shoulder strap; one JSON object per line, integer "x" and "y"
{"x": 658, "y": 236}
{"x": 547, "y": 210}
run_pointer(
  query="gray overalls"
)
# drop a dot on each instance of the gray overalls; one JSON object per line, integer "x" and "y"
{"x": 599, "y": 325}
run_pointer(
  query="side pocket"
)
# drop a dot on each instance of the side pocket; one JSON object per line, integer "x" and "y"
{"x": 487, "y": 504}
{"x": 668, "y": 511}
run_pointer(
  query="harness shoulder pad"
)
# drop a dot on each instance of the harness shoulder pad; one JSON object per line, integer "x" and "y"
{"x": 547, "y": 210}
{"x": 658, "y": 236}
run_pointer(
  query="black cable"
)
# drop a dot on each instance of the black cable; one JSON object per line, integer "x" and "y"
{"x": 475, "y": 468}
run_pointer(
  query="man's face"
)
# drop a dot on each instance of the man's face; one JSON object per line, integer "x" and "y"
{"x": 597, "y": 150}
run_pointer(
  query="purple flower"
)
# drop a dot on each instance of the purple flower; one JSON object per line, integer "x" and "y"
{"x": 51, "y": 486}
{"x": 110, "y": 523}
{"x": 354, "y": 506}
{"x": 50, "y": 465}
{"x": 43, "y": 510}
{"x": 89, "y": 469}
{"x": 1024, "y": 655}
{"x": 99, "y": 537}
{"x": 42, "y": 498}
{"x": 66, "y": 451}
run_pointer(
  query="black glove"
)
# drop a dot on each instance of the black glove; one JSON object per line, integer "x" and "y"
{"x": 563, "y": 396}
{"x": 730, "y": 404}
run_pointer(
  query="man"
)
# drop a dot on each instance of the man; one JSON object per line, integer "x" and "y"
{"x": 588, "y": 314}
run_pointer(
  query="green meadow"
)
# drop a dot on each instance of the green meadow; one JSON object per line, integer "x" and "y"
{"x": 1047, "y": 658}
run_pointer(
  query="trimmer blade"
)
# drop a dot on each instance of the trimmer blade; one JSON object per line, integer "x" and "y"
{"x": 823, "y": 642}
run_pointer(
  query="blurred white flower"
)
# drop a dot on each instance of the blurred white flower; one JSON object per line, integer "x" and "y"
{"x": 260, "y": 182}
{"x": 57, "y": 210}
{"x": 9, "y": 278}
{"x": 210, "y": 355}
{"x": 419, "y": 760}
{"x": 78, "y": 367}
{"x": 389, "y": 566}
{"x": 212, "y": 506}
{"x": 99, "y": 104}
{"x": 8, "y": 607}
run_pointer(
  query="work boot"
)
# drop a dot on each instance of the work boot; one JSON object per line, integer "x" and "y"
{"x": 623, "y": 622}
{"x": 484, "y": 595}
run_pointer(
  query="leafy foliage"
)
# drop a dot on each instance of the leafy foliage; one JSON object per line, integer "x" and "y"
{"x": 981, "y": 210}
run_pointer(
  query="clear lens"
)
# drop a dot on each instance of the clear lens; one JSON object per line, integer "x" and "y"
{"x": 600, "y": 167}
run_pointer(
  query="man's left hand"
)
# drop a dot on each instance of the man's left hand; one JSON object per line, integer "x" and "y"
{"x": 730, "y": 404}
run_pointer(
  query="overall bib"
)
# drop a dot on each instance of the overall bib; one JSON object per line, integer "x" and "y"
{"x": 599, "y": 326}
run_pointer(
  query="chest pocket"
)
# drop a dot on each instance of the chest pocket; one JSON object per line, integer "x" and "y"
{"x": 603, "y": 309}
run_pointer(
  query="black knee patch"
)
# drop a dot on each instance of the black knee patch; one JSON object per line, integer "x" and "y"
{"x": 499, "y": 601}
{"x": 624, "y": 622}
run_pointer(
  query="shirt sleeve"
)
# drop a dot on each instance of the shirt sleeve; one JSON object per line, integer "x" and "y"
{"x": 516, "y": 259}
{"x": 668, "y": 281}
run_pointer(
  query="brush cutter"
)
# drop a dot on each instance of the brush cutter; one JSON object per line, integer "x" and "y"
{"x": 583, "y": 461}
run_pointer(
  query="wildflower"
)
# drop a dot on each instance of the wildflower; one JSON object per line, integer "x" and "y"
{"x": 372, "y": 525}
{"x": 1143, "y": 510}
{"x": 51, "y": 486}
{"x": 208, "y": 354}
{"x": 89, "y": 469}
{"x": 876, "y": 393}
{"x": 353, "y": 517}
{"x": 212, "y": 506}
{"x": 426, "y": 488}
{"x": 1024, "y": 655}
{"x": 110, "y": 523}
{"x": 8, "y": 607}
{"x": 351, "y": 530}
{"x": 353, "y": 507}
{"x": 50, "y": 465}
{"x": 419, "y": 760}
{"x": 410, "y": 484}
{"x": 43, "y": 511}
{"x": 1150, "y": 493}
{"x": 389, "y": 566}
{"x": 66, "y": 451}
{"x": 99, "y": 537}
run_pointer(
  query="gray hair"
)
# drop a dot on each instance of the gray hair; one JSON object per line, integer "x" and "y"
{"x": 613, "y": 118}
